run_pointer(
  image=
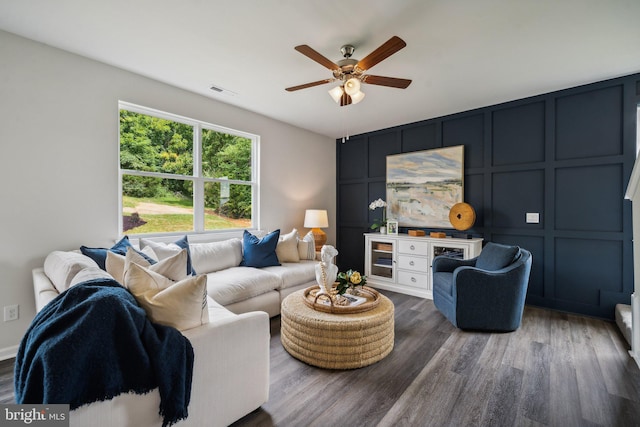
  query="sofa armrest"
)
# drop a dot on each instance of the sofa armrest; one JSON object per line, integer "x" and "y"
{"x": 230, "y": 379}
{"x": 231, "y": 367}
{"x": 43, "y": 288}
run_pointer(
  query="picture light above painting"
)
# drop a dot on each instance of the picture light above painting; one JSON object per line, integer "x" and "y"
{"x": 422, "y": 186}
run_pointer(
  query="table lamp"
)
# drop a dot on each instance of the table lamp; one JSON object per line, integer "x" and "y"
{"x": 316, "y": 219}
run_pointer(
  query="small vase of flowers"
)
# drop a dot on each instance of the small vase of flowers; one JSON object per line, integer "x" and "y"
{"x": 377, "y": 223}
{"x": 349, "y": 281}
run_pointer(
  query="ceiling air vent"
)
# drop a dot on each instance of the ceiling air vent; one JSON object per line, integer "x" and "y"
{"x": 219, "y": 89}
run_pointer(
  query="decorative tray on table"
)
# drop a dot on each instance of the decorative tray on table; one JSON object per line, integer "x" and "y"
{"x": 366, "y": 299}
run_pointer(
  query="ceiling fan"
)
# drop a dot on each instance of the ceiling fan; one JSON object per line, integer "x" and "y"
{"x": 351, "y": 72}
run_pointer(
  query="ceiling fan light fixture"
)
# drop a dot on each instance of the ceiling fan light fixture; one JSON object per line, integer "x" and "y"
{"x": 352, "y": 86}
{"x": 336, "y": 94}
{"x": 357, "y": 97}
{"x": 351, "y": 72}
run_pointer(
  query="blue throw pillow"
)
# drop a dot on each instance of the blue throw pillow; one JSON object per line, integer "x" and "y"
{"x": 495, "y": 256}
{"x": 184, "y": 244}
{"x": 260, "y": 252}
{"x": 99, "y": 255}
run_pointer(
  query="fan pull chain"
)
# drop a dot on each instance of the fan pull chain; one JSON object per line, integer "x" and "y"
{"x": 345, "y": 130}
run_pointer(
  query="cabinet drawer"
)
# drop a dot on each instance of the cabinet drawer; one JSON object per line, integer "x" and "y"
{"x": 414, "y": 263}
{"x": 414, "y": 280}
{"x": 413, "y": 247}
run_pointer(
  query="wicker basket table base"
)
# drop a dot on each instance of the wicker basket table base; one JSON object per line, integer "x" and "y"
{"x": 336, "y": 341}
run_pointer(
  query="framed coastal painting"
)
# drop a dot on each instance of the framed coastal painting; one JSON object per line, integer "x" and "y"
{"x": 422, "y": 186}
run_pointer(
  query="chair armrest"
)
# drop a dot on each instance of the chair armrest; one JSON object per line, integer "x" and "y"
{"x": 476, "y": 286}
{"x": 445, "y": 264}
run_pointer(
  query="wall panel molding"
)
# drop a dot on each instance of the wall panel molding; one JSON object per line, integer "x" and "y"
{"x": 566, "y": 155}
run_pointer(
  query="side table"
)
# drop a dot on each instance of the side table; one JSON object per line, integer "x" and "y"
{"x": 336, "y": 341}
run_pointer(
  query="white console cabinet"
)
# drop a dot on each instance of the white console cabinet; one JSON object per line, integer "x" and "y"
{"x": 402, "y": 263}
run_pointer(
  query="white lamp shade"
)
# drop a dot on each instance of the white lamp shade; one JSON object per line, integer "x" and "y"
{"x": 336, "y": 93}
{"x": 352, "y": 86}
{"x": 316, "y": 218}
{"x": 357, "y": 97}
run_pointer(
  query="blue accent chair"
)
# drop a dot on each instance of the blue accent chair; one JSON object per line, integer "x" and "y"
{"x": 485, "y": 293}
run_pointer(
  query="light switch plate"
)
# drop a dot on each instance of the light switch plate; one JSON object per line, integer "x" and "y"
{"x": 533, "y": 218}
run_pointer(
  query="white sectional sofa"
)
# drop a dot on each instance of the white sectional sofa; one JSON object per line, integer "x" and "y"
{"x": 231, "y": 367}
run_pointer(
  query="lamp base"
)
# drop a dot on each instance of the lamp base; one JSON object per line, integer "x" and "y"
{"x": 320, "y": 238}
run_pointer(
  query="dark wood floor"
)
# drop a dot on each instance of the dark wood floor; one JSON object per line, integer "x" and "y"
{"x": 6, "y": 381}
{"x": 558, "y": 369}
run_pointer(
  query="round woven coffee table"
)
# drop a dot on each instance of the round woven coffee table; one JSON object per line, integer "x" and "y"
{"x": 336, "y": 341}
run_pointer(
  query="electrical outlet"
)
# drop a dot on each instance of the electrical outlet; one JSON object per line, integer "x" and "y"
{"x": 11, "y": 312}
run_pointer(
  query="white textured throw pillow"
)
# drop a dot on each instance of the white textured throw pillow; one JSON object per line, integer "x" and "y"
{"x": 173, "y": 267}
{"x": 162, "y": 250}
{"x": 287, "y": 249}
{"x": 115, "y": 263}
{"x": 182, "y": 304}
{"x": 307, "y": 247}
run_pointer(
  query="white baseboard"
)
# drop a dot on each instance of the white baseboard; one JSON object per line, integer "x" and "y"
{"x": 635, "y": 328}
{"x": 635, "y": 357}
{"x": 8, "y": 352}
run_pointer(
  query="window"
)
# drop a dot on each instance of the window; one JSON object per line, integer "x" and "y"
{"x": 182, "y": 175}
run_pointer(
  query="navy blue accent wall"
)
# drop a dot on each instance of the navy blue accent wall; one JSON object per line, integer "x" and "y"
{"x": 566, "y": 155}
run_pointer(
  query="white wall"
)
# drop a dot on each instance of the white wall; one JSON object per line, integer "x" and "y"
{"x": 58, "y": 175}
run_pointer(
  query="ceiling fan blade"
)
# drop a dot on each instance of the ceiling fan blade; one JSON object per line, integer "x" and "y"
{"x": 306, "y": 85}
{"x": 386, "y": 81}
{"x": 314, "y": 55}
{"x": 387, "y": 49}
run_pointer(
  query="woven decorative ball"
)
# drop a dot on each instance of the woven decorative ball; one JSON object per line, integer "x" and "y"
{"x": 462, "y": 216}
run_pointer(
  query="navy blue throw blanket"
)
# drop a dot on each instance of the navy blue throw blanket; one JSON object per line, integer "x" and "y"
{"x": 94, "y": 342}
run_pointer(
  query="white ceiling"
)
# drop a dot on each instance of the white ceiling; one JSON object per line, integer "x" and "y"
{"x": 460, "y": 54}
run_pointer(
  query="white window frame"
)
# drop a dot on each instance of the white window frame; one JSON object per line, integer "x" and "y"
{"x": 197, "y": 178}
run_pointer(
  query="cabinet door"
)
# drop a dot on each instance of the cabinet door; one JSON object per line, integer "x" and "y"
{"x": 451, "y": 249}
{"x": 380, "y": 259}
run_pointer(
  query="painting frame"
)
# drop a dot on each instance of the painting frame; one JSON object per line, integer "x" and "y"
{"x": 422, "y": 186}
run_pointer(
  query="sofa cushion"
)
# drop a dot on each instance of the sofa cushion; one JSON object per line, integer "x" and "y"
{"x": 165, "y": 250}
{"x": 180, "y": 304}
{"x": 215, "y": 256}
{"x": 61, "y": 267}
{"x": 307, "y": 247}
{"x": 259, "y": 252}
{"x": 495, "y": 256}
{"x": 294, "y": 274}
{"x": 287, "y": 248}
{"x": 240, "y": 283}
{"x": 89, "y": 273}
